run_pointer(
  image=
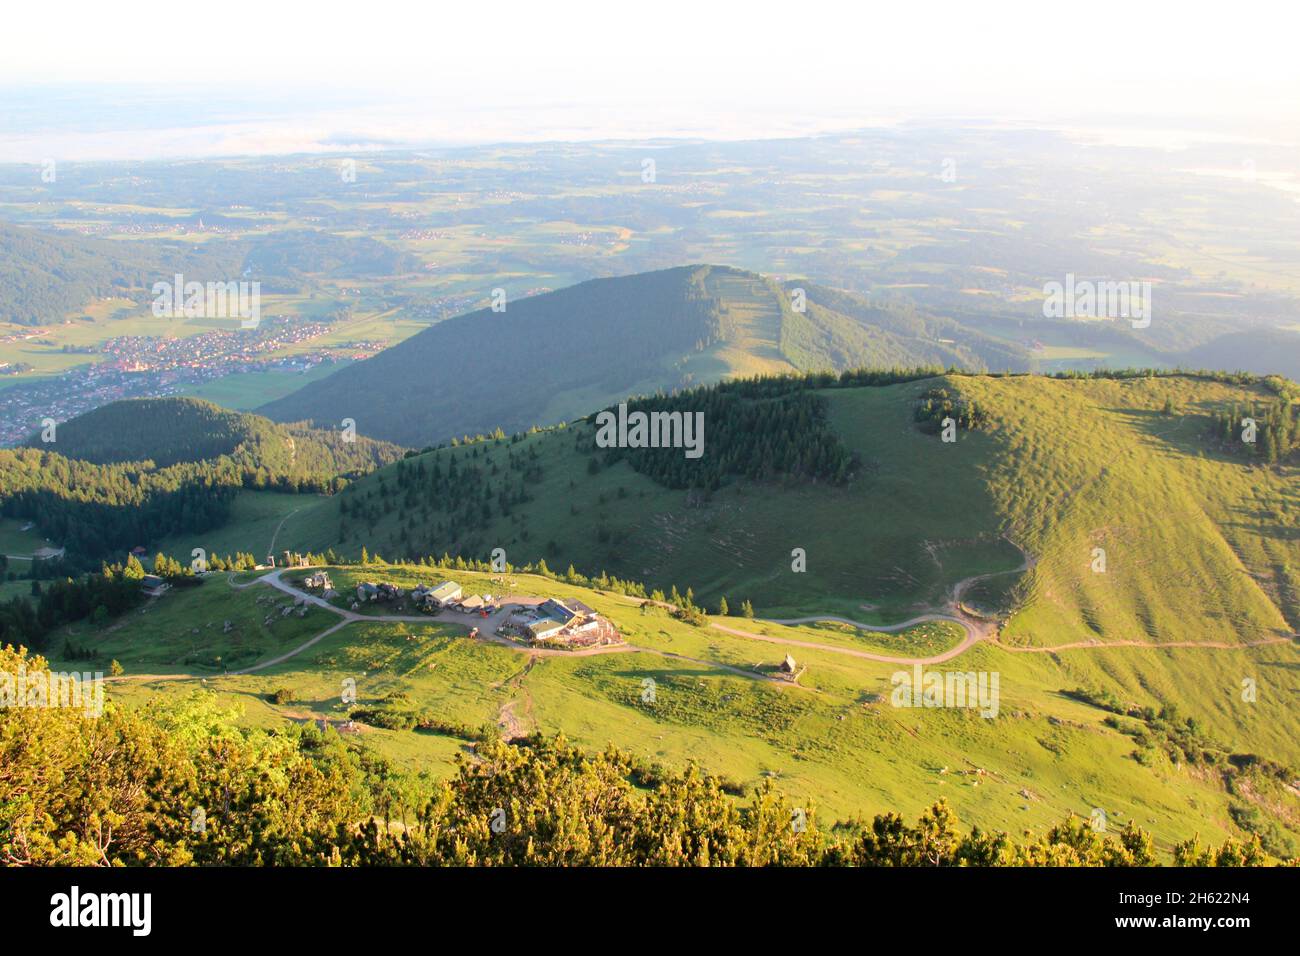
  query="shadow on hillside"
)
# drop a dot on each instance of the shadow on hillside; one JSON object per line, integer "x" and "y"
{"x": 1185, "y": 431}
{"x": 1257, "y": 517}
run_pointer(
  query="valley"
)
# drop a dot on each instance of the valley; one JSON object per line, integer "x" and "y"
{"x": 365, "y": 581}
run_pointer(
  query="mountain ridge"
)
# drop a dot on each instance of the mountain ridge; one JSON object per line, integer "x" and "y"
{"x": 557, "y": 356}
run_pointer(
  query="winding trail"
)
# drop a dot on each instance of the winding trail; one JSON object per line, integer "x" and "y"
{"x": 276, "y": 533}
{"x": 486, "y": 628}
{"x": 977, "y": 629}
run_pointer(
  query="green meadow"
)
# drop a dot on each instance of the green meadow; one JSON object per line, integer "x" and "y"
{"x": 1191, "y": 613}
{"x": 251, "y": 389}
{"x": 15, "y": 541}
{"x": 834, "y": 742}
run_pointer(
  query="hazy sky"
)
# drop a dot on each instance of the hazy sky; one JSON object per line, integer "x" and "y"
{"x": 479, "y": 71}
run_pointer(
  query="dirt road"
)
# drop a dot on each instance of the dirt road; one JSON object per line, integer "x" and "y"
{"x": 977, "y": 629}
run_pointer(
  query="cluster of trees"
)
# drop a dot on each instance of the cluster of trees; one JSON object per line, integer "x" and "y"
{"x": 759, "y": 438}
{"x": 242, "y": 561}
{"x": 99, "y": 597}
{"x": 136, "y": 471}
{"x": 683, "y": 606}
{"x": 1276, "y": 431}
{"x": 177, "y": 783}
{"x": 450, "y": 499}
{"x": 938, "y": 404}
{"x": 95, "y": 510}
{"x": 444, "y": 497}
{"x": 174, "y": 571}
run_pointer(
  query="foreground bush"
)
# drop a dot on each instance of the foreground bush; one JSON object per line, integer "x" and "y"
{"x": 180, "y": 784}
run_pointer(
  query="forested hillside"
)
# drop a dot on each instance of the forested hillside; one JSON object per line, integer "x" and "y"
{"x": 168, "y": 431}
{"x": 487, "y": 369}
{"x": 135, "y": 471}
{"x": 1044, "y": 470}
{"x": 44, "y": 276}
{"x": 839, "y": 330}
{"x": 558, "y": 356}
{"x": 47, "y": 275}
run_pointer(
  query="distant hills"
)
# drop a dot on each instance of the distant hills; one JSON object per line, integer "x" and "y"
{"x": 170, "y": 431}
{"x": 1263, "y": 351}
{"x": 560, "y": 355}
{"x": 45, "y": 275}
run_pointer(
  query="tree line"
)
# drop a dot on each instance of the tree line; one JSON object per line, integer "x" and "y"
{"x": 95, "y": 508}
{"x": 1269, "y": 434}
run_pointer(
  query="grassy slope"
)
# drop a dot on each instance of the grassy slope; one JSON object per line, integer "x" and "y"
{"x": 556, "y": 356}
{"x": 827, "y": 745}
{"x": 256, "y": 516}
{"x": 898, "y": 538}
{"x": 1199, "y": 547}
{"x": 184, "y": 631}
{"x": 14, "y": 540}
{"x": 1196, "y": 543}
{"x": 750, "y": 313}
{"x": 251, "y": 389}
